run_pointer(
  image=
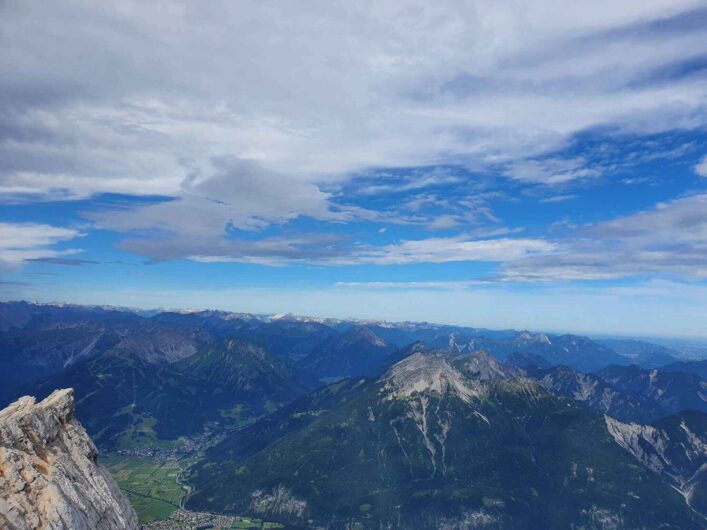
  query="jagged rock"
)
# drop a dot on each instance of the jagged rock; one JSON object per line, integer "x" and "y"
{"x": 482, "y": 366}
{"x": 50, "y": 477}
{"x": 675, "y": 448}
{"x": 280, "y": 501}
{"x": 593, "y": 392}
{"x": 427, "y": 373}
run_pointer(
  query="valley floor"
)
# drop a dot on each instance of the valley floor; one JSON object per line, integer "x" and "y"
{"x": 153, "y": 486}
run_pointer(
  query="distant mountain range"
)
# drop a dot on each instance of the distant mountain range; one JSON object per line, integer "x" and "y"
{"x": 671, "y": 391}
{"x": 353, "y": 424}
{"x": 693, "y": 367}
{"x": 645, "y": 354}
{"x": 145, "y": 379}
{"x": 127, "y": 400}
{"x": 358, "y": 352}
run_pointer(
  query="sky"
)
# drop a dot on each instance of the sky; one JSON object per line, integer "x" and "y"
{"x": 537, "y": 165}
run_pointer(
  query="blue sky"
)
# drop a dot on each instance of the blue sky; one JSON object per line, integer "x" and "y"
{"x": 483, "y": 163}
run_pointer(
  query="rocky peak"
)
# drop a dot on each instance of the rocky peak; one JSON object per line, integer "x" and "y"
{"x": 417, "y": 347}
{"x": 483, "y": 366}
{"x": 362, "y": 333}
{"x": 49, "y": 473}
{"x": 427, "y": 374}
{"x": 527, "y": 336}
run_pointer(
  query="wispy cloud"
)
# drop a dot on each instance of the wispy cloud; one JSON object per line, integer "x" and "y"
{"x": 381, "y": 183}
{"x": 701, "y": 167}
{"x": 449, "y": 249}
{"x": 670, "y": 239}
{"x": 240, "y": 194}
{"x": 558, "y": 198}
{"x": 551, "y": 171}
{"x": 451, "y": 284}
{"x": 20, "y": 242}
{"x": 71, "y": 262}
{"x": 251, "y": 132}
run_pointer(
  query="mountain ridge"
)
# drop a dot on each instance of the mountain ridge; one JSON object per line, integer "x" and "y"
{"x": 319, "y": 459}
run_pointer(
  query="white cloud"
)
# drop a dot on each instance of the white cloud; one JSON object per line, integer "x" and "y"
{"x": 139, "y": 97}
{"x": 416, "y": 181}
{"x": 701, "y": 167}
{"x": 551, "y": 171}
{"x": 449, "y": 249}
{"x": 254, "y": 114}
{"x": 239, "y": 194}
{"x": 20, "y": 242}
{"x": 444, "y": 222}
{"x": 558, "y": 198}
{"x": 452, "y": 284}
{"x": 669, "y": 239}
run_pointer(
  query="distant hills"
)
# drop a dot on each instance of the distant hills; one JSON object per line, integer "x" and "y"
{"x": 671, "y": 391}
{"x": 593, "y": 392}
{"x": 693, "y": 367}
{"x": 645, "y": 354}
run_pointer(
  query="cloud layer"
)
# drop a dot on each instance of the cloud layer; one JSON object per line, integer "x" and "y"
{"x": 245, "y": 118}
{"x": 137, "y": 98}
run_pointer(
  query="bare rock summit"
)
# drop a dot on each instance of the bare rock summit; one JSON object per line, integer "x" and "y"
{"x": 50, "y": 477}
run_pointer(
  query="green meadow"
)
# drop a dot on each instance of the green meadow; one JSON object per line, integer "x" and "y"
{"x": 152, "y": 487}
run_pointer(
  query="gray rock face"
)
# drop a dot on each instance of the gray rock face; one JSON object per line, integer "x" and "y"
{"x": 50, "y": 477}
{"x": 675, "y": 448}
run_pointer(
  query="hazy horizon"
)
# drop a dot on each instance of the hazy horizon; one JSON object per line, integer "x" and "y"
{"x": 696, "y": 341}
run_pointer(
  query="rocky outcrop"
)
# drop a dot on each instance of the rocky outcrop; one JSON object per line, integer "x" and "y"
{"x": 280, "y": 501}
{"x": 591, "y": 391}
{"x": 674, "y": 448}
{"x": 50, "y": 477}
{"x": 421, "y": 374}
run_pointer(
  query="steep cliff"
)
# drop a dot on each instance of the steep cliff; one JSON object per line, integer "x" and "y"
{"x": 50, "y": 477}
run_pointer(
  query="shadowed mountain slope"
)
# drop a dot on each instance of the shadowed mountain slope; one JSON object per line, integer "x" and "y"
{"x": 123, "y": 399}
{"x": 438, "y": 441}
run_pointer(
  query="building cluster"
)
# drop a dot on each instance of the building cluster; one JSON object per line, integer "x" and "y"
{"x": 188, "y": 520}
{"x": 188, "y": 447}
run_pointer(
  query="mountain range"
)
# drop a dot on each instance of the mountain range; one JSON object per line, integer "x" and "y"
{"x": 141, "y": 379}
{"x": 351, "y": 424}
{"x": 440, "y": 440}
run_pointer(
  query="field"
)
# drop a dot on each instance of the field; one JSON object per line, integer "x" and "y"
{"x": 152, "y": 487}
{"x": 247, "y": 522}
{"x": 154, "y": 491}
